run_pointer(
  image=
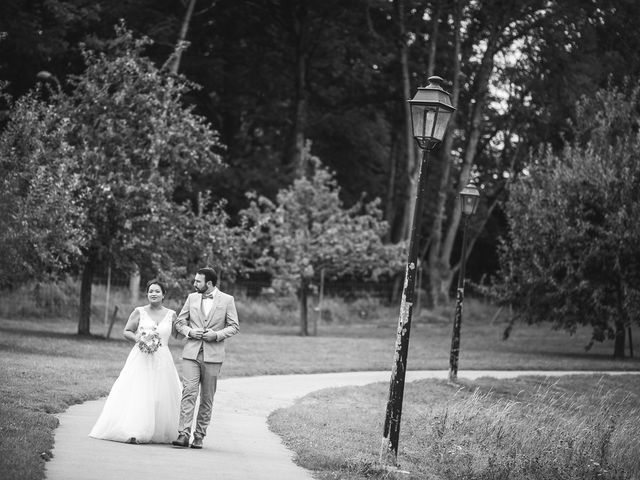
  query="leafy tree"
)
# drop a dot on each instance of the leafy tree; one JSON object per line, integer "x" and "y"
{"x": 133, "y": 144}
{"x": 572, "y": 253}
{"x": 307, "y": 229}
{"x": 276, "y": 72}
{"x": 42, "y": 221}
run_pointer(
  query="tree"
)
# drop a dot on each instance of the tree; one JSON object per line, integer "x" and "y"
{"x": 572, "y": 252}
{"x": 42, "y": 222}
{"x": 307, "y": 229}
{"x": 277, "y": 72}
{"x": 133, "y": 145}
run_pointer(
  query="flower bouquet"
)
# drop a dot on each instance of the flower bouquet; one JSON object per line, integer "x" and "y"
{"x": 149, "y": 340}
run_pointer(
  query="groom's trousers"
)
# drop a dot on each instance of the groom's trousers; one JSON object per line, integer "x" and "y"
{"x": 197, "y": 375}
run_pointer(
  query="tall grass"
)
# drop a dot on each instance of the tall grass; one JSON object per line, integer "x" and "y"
{"x": 549, "y": 435}
{"x": 574, "y": 428}
{"x": 61, "y": 299}
{"x": 37, "y": 300}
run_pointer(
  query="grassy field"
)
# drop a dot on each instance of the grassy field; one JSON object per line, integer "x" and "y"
{"x": 45, "y": 367}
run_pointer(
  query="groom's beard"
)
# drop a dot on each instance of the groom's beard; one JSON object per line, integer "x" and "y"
{"x": 201, "y": 290}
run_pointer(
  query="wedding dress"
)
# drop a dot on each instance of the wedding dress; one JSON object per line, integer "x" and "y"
{"x": 144, "y": 402}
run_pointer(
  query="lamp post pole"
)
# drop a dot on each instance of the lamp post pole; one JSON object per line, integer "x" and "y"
{"x": 431, "y": 110}
{"x": 389, "y": 450}
{"x": 469, "y": 197}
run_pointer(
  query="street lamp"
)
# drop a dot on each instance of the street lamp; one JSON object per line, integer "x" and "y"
{"x": 431, "y": 110}
{"x": 49, "y": 77}
{"x": 469, "y": 199}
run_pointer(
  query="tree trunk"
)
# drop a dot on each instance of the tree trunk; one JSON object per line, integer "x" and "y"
{"x": 318, "y": 318}
{"x": 304, "y": 312}
{"x": 441, "y": 246}
{"x": 438, "y": 273}
{"x": 299, "y": 27}
{"x": 177, "y": 54}
{"x": 620, "y": 340}
{"x": 134, "y": 285}
{"x": 394, "y": 234}
{"x": 412, "y": 160}
{"x": 622, "y": 320}
{"x": 84, "y": 317}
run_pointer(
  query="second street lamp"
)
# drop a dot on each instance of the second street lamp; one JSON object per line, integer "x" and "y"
{"x": 469, "y": 198}
{"x": 49, "y": 77}
{"x": 431, "y": 110}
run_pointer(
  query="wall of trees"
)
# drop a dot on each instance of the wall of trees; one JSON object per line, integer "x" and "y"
{"x": 276, "y": 76}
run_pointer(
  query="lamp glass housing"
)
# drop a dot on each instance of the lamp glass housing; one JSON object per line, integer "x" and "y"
{"x": 469, "y": 199}
{"x": 431, "y": 110}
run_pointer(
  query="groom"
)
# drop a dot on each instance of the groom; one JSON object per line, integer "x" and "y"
{"x": 206, "y": 320}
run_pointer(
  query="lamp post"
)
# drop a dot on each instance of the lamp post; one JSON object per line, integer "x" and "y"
{"x": 49, "y": 77}
{"x": 431, "y": 110}
{"x": 469, "y": 198}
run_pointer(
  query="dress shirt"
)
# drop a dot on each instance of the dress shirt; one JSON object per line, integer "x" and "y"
{"x": 207, "y": 303}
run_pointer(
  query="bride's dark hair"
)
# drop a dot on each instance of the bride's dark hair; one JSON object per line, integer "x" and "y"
{"x": 156, "y": 282}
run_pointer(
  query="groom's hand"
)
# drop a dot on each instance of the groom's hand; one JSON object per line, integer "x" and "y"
{"x": 196, "y": 333}
{"x": 210, "y": 336}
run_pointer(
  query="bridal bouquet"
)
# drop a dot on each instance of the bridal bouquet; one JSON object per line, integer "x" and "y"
{"x": 149, "y": 340}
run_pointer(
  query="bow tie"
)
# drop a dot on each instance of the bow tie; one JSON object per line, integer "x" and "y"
{"x": 207, "y": 295}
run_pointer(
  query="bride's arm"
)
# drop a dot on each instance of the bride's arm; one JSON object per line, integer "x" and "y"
{"x": 132, "y": 326}
{"x": 174, "y": 331}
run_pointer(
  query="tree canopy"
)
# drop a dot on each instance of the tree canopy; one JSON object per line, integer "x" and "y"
{"x": 572, "y": 255}
{"x": 109, "y": 154}
{"x": 42, "y": 220}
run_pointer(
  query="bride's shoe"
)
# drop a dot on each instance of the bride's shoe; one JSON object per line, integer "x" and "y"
{"x": 133, "y": 441}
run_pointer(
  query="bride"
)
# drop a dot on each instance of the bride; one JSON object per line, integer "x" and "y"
{"x": 144, "y": 403}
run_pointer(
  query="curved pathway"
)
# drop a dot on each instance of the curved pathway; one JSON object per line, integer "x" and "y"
{"x": 239, "y": 446}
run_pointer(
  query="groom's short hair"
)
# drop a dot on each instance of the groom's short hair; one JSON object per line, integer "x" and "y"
{"x": 209, "y": 274}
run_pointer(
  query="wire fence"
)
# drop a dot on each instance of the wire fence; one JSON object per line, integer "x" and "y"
{"x": 62, "y": 299}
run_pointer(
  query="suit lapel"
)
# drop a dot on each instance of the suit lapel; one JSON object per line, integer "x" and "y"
{"x": 202, "y": 320}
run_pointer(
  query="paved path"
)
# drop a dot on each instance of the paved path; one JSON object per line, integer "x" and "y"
{"x": 239, "y": 446}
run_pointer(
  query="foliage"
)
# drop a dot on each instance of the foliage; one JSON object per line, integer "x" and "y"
{"x": 134, "y": 144}
{"x": 542, "y": 55}
{"x": 92, "y": 177}
{"x": 571, "y": 256}
{"x": 205, "y": 238}
{"x": 307, "y": 229}
{"x": 42, "y": 220}
{"x": 252, "y": 99}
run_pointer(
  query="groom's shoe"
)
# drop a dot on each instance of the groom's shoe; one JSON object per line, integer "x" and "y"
{"x": 181, "y": 441}
{"x": 197, "y": 442}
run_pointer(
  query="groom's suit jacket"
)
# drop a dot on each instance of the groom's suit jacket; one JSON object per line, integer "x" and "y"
{"x": 222, "y": 318}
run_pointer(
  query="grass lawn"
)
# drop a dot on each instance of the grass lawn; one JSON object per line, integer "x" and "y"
{"x": 45, "y": 367}
{"x": 569, "y": 428}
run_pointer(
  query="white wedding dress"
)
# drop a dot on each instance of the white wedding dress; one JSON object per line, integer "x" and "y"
{"x": 144, "y": 402}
